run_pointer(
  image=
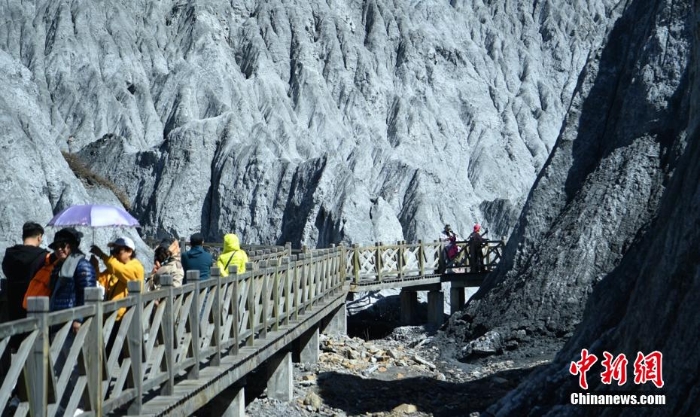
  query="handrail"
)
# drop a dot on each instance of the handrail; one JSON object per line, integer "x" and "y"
{"x": 404, "y": 261}
{"x": 163, "y": 336}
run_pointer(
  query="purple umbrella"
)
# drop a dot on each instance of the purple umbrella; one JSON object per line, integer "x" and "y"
{"x": 93, "y": 215}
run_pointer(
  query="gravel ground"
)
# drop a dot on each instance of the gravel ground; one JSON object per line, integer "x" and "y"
{"x": 401, "y": 374}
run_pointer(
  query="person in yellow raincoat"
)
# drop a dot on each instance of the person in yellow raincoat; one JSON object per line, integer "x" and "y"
{"x": 233, "y": 255}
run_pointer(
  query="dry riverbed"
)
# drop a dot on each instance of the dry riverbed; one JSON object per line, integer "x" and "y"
{"x": 401, "y": 374}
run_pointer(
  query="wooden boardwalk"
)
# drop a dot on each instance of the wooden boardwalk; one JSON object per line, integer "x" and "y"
{"x": 403, "y": 265}
{"x": 177, "y": 348}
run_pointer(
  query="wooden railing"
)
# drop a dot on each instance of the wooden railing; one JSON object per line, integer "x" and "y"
{"x": 491, "y": 251}
{"x": 167, "y": 337}
{"x": 405, "y": 261}
{"x": 164, "y": 339}
{"x": 255, "y": 252}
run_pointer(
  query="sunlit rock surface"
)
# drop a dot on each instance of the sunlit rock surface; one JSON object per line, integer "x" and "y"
{"x": 309, "y": 122}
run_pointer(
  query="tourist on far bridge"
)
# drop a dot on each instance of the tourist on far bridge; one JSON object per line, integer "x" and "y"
{"x": 476, "y": 244}
{"x": 233, "y": 255}
{"x": 197, "y": 258}
{"x": 450, "y": 248}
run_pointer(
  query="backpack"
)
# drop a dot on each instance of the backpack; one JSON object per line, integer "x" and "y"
{"x": 39, "y": 285}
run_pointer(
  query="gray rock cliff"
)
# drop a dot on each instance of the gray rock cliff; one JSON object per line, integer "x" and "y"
{"x": 613, "y": 214}
{"x": 311, "y": 122}
{"x": 602, "y": 185}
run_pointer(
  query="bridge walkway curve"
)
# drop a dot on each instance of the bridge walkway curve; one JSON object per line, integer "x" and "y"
{"x": 177, "y": 348}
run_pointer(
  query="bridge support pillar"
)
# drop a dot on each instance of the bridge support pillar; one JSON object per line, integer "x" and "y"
{"x": 457, "y": 299}
{"x": 280, "y": 375}
{"x": 308, "y": 347}
{"x": 338, "y": 324}
{"x": 237, "y": 406}
{"x": 409, "y": 304}
{"x": 436, "y": 308}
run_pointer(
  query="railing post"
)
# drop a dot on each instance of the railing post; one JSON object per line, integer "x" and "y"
{"x": 325, "y": 270}
{"x": 328, "y": 275}
{"x": 321, "y": 275}
{"x": 276, "y": 295}
{"x": 342, "y": 268}
{"x": 251, "y": 307}
{"x": 301, "y": 278}
{"x": 421, "y": 258}
{"x": 296, "y": 285}
{"x": 307, "y": 276}
{"x": 94, "y": 353}
{"x": 400, "y": 261}
{"x": 287, "y": 290}
{"x": 193, "y": 278}
{"x": 342, "y": 271}
{"x": 38, "y": 359}
{"x": 264, "y": 297}
{"x": 166, "y": 282}
{"x": 135, "y": 340}
{"x": 356, "y": 262}
{"x": 315, "y": 268}
{"x": 288, "y": 249}
{"x": 314, "y": 263}
{"x": 378, "y": 260}
{"x": 234, "y": 312}
{"x": 216, "y": 313}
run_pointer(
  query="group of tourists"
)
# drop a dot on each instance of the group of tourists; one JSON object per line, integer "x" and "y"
{"x": 64, "y": 272}
{"x": 475, "y": 245}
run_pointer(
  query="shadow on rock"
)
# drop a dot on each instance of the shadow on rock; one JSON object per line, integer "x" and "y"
{"x": 358, "y": 396}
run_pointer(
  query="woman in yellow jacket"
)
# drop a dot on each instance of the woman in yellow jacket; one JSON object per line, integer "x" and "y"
{"x": 122, "y": 267}
{"x": 233, "y": 255}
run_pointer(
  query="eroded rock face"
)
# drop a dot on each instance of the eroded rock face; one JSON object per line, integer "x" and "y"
{"x": 602, "y": 186}
{"x": 312, "y": 122}
{"x": 626, "y": 181}
{"x": 35, "y": 180}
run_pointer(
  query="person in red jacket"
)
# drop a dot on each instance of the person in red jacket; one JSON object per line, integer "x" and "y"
{"x": 476, "y": 243}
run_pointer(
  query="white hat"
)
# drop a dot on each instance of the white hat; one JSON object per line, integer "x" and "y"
{"x": 124, "y": 242}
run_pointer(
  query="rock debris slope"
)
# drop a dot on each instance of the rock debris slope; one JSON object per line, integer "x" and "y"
{"x": 313, "y": 122}
{"x": 615, "y": 213}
